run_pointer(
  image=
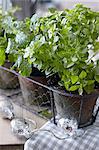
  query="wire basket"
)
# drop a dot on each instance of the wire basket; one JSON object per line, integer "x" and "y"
{"x": 49, "y": 102}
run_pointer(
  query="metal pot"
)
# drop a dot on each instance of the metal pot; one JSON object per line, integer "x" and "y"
{"x": 8, "y": 80}
{"x": 76, "y": 107}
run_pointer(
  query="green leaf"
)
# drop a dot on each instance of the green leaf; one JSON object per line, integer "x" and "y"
{"x": 96, "y": 47}
{"x": 70, "y": 64}
{"x": 42, "y": 40}
{"x": 34, "y": 18}
{"x": 80, "y": 90}
{"x": 74, "y": 79}
{"x": 89, "y": 89}
{"x": 82, "y": 75}
{"x": 74, "y": 59}
{"x": 90, "y": 82}
{"x": 12, "y": 58}
{"x": 66, "y": 84}
{"x": 2, "y": 56}
{"x": 9, "y": 46}
{"x": 63, "y": 21}
{"x": 56, "y": 38}
{"x": 52, "y": 10}
{"x": 74, "y": 87}
{"x": 26, "y": 52}
{"x": 25, "y": 69}
{"x": 97, "y": 78}
{"x": 49, "y": 34}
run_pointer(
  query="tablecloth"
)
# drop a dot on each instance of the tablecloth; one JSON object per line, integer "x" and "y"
{"x": 44, "y": 139}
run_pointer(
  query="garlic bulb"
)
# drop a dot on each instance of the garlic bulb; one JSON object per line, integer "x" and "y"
{"x": 22, "y": 127}
{"x": 6, "y": 108}
{"x": 70, "y": 127}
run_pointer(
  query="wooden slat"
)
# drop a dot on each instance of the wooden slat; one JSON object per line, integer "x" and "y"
{"x": 12, "y": 147}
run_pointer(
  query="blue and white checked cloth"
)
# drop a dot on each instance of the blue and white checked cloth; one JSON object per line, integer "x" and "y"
{"x": 45, "y": 140}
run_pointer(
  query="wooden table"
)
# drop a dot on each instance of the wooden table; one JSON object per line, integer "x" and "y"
{"x": 7, "y": 140}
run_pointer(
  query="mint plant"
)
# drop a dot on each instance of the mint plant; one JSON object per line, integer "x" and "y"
{"x": 62, "y": 44}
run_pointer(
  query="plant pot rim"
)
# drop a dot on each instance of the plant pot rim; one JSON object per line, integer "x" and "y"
{"x": 67, "y": 94}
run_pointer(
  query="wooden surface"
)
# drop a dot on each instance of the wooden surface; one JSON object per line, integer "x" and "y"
{"x": 6, "y": 136}
{"x": 12, "y": 147}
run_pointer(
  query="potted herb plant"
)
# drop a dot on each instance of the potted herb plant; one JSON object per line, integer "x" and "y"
{"x": 7, "y": 79}
{"x": 66, "y": 47}
{"x": 32, "y": 93}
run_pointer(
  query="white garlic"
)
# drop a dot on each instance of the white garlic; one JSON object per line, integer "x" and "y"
{"x": 6, "y": 109}
{"x": 22, "y": 127}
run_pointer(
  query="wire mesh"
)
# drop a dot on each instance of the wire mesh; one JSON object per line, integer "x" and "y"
{"x": 49, "y": 102}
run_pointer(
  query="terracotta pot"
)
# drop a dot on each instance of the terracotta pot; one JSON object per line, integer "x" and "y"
{"x": 8, "y": 80}
{"x": 34, "y": 94}
{"x": 75, "y": 106}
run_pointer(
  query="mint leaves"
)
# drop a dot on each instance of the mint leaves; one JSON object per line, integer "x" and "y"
{"x": 2, "y": 56}
{"x": 62, "y": 46}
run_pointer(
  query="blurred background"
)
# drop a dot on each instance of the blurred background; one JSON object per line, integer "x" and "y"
{"x": 29, "y": 7}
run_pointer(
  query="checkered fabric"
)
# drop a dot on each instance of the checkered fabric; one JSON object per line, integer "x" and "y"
{"x": 52, "y": 137}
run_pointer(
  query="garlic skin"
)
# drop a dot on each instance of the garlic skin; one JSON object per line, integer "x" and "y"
{"x": 6, "y": 109}
{"x": 22, "y": 128}
{"x": 68, "y": 125}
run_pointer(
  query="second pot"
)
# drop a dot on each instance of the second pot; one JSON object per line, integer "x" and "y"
{"x": 8, "y": 80}
{"x": 34, "y": 94}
